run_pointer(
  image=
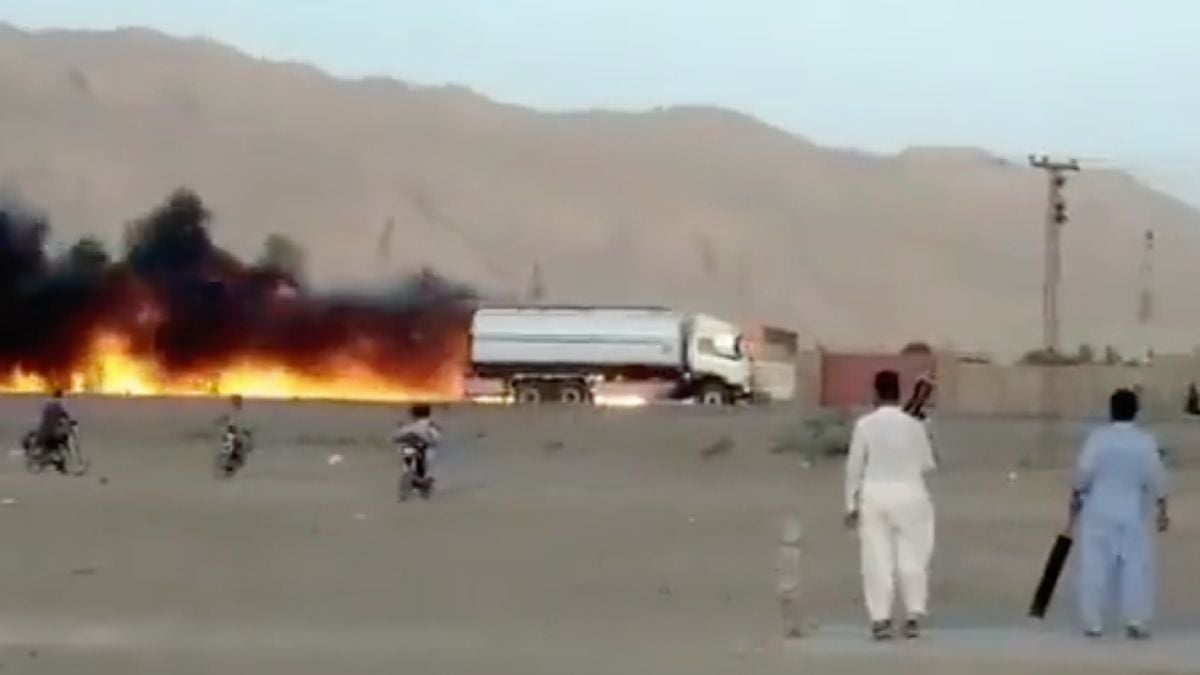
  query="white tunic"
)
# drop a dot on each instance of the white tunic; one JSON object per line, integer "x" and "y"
{"x": 888, "y": 447}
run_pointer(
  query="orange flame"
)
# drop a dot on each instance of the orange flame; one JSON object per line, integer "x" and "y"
{"x": 112, "y": 368}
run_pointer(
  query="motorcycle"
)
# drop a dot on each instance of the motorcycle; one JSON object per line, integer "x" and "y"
{"x": 414, "y": 469}
{"x": 235, "y": 447}
{"x": 67, "y": 458}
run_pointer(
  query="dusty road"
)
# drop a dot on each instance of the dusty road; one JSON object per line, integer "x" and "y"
{"x": 637, "y": 541}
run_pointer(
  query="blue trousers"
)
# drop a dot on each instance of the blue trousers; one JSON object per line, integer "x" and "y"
{"x": 1115, "y": 556}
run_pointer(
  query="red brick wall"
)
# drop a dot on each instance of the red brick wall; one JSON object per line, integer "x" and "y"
{"x": 847, "y": 378}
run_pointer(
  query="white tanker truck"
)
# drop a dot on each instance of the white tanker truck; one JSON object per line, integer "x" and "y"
{"x": 566, "y": 354}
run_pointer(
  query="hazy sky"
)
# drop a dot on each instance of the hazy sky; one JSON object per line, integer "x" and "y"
{"x": 1114, "y": 80}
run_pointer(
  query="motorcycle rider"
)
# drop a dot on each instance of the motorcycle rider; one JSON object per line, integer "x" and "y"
{"x": 54, "y": 430}
{"x": 422, "y": 434}
{"x": 232, "y": 423}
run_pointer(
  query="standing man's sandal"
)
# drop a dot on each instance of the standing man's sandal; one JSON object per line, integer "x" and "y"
{"x": 1137, "y": 633}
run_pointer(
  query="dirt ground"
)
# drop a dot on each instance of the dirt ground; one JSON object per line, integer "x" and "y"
{"x": 639, "y": 541}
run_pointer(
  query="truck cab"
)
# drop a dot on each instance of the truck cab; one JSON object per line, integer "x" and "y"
{"x": 718, "y": 365}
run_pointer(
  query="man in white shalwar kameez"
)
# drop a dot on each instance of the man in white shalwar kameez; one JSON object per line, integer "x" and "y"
{"x": 888, "y": 502}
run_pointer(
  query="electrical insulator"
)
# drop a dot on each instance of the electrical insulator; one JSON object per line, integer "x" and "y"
{"x": 1060, "y": 210}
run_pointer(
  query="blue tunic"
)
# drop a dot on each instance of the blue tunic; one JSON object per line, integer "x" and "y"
{"x": 1120, "y": 476}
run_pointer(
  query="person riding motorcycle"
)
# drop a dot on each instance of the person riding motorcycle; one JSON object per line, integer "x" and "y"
{"x": 54, "y": 429}
{"x": 232, "y": 424}
{"x": 421, "y": 434}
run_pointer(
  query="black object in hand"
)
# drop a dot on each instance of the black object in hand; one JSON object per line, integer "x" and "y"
{"x": 1050, "y": 575}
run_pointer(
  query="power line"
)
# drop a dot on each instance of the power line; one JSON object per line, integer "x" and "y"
{"x": 1120, "y": 162}
{"x": 1113, "y": 162}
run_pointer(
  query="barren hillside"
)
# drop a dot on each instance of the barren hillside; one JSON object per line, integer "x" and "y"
{"x": 701, "y": 208}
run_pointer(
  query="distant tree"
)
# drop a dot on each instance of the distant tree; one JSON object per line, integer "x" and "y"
{"x": 1034, "y": 357}
{"x": 1044, "y": 357}
{"x": 1112, "y": 357}
{"x": 283, "y": 255}
{"x": 1085, "y": 354}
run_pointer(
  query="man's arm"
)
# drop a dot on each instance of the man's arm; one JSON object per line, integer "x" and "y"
{"x": 1157, "y": 485}
{"x": 400, "y": 432}
{"x": 57, "y": 413}
{"x": 435, "y": 432}
{"x": 421, "y": 432}
{"x": 855, "y": 465}
{"x": 1156, "y": 473}
{"x": 924, "y": 447}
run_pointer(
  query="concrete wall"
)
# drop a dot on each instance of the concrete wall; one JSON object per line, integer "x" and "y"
{"x": 1073, "y": 391}
{"x": 998, "y": 389}
{"x": 775, "y": 379}
{"x": 808, "y": 379}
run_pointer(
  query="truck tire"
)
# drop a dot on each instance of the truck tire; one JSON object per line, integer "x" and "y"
{"x": 713, "y": 394}
{"x": 527, "y": 393}
{"x": 573, "y": 393}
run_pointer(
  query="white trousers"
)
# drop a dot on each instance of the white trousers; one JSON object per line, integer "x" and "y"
{"x": 896, "y": 525}
{"x": 1120, "y": 552}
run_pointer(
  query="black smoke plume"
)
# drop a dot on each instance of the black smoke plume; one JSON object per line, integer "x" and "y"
{"x": 190, "y": 306}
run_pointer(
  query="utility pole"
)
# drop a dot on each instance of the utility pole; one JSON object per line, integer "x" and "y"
{"x": 1146, "y": 294}
{"x": 536, "y": 292}
{"x": 383, "y": 246}
{"x": 1056, "y": 217}
{"x": 1145, "y": 315}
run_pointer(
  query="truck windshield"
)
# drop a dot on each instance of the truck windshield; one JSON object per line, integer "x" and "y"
{"x": 724, "y": 346}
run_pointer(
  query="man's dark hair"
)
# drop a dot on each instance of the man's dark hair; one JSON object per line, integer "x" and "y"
{"x": 1123, "y": 405}
{"x": 421, "y": 411}
{"x": 887, "y": 386}
{"x": 57, "y": 393}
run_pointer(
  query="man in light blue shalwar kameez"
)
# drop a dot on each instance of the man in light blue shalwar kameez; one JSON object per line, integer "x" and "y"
{"x": 1119, "y": 480}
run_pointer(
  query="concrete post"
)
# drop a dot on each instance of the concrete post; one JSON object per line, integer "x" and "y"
{"x": 789, "y": 588}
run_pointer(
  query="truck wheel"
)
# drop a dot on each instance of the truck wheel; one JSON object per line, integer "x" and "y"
{"x": 573, "y": 393}
{"x": 713, "y": 394}
{"x": 527, "y": 393}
